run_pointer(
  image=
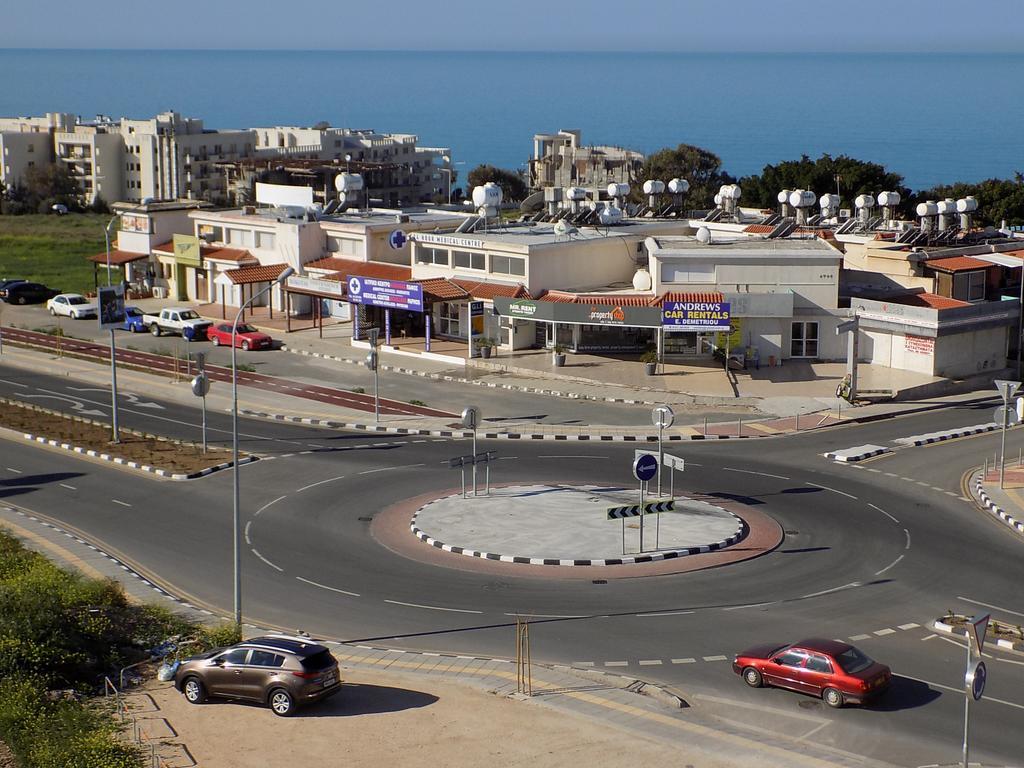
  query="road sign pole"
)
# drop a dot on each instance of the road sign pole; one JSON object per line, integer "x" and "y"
{"x": 967, "y": 702}
{"x": 376, "y": 392}
{"x": 642, "y": 484}
{"x": 661, "y": 453}
{"x": 657, "y": 522}
{"x": 204, "y": 423}
{"x": 474, "y": 460}
{"x": 623, "y": 535}
{"x": 463, "y": 481}
{"x": 1002, "y": 448}
{"x": 488, "y": 470}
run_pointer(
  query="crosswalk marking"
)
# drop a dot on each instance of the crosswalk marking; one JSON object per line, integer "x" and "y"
{"x": 911, "y": 625}
{"x": 684, "y": 661}
{"x": 855, "y": 638}
{"x": 886, "y": 631}
{"x": 714, "y": 658}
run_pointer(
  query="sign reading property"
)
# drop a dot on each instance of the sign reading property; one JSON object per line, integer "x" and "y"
{"x": 700, "y": 316}
{"x": 392, "y": 294}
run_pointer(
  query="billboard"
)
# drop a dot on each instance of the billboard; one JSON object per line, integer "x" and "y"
{"x": 391, "y": 294}
{"x": 186, "y": 251}
{"x": 315, "y": 285}
{"x": 110, "y": 303}
{"x": 700, "y": 316}
{"x": 283, "y": 194}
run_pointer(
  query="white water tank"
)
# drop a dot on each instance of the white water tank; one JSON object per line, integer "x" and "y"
{"x": 348, "y": 182}
{"x": 610, "y": 214}
{"x": 864, "y": 201}
{"x": 487, "y": 196}
{"x": 829, "y": 201}
{"x": 946, "y": 206}
{"x": 642, "y": 280}
{"x": 929, "y": 208}
{"x": 783, "y": 196}
{"x": 679, "y": 186}
{"x": 967, "y": 204}
{"x": 802, "y": 198}
{"x": 654, "y": 187}
{"x": 730, "y": 191}
{"x": 618, "y": 190}
{"x": 889, "y": 199}
{"x": 576, "y": 193}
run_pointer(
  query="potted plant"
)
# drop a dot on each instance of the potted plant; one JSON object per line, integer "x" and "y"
{"x": 486, "y": 345}
{"x": 558, "y": 355}
{"x": 650, "y": 361}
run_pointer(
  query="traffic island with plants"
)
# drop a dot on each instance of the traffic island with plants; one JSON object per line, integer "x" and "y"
{"x": 63, "y": 637}
{"x": 84, "y": 435}
{"x": 1000, "y": 634}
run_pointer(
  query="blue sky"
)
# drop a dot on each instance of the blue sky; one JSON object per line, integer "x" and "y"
{"x": 551, "y": 25}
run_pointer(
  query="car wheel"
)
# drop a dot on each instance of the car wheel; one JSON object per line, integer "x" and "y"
{"x": 752, "y": 677}
{"x": 215, "y": 340}
{"x": 154, "y": 329}
{"x": 53, "y": 312}
{"x": 21, "y": 300}
{"x": 282, "y": 702}
{"x": 833, "y": 697}
{"x": 133, "y": 328}
{"x": 245, "y": 345}
{"x": 194, "y": 690}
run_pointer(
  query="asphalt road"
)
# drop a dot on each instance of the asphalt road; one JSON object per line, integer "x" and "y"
{"x": 873, "y": 553}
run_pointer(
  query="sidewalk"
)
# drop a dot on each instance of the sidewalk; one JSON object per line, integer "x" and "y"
{"x": 1006, "y": 503}
{"x": 599, "y": 718}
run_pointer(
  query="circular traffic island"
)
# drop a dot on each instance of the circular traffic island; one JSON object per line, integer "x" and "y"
{"x": 572, "y": 531}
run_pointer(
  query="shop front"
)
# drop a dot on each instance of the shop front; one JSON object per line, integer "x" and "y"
{"x": 580, "y": 327}
{"x": 395, "y": 306}
{"x": 696, "y": 327}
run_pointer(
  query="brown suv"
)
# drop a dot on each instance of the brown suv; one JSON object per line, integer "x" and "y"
{"x": 281, "y": 671}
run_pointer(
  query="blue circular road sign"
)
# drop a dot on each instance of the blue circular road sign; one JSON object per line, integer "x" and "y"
{"x": 977, "y": 676}
{"x": 645, "y": 467}
{"x": 397, "y": 239}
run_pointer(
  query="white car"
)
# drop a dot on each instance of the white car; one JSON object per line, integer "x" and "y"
{"x": 73, "y": 305}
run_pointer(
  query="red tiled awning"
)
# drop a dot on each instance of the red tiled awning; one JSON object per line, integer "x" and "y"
{"x": 482, "y": 290}
{"x": 931, "y": 300}
{"x": 759, "y": 229}
{"x": 708, "y": 297}
{"x": 618, "y": 299}
{"x": 117, "y": 258}
{"x": 957, "y": 264}
{"x": 237, "y": 255}
{"x": 442, "y": 289}
{"x": 374, "y": 269}
{"x": 261, "y": 274}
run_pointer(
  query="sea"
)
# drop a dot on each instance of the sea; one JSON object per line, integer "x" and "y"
{"x": 933, "y": 118}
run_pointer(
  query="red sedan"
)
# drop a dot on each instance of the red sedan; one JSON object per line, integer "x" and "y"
{"x": 837, "y": 672}
{"x": 247, "y": 337}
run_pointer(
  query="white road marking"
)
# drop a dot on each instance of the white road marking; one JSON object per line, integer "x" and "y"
{"x": 812, "y": 732}
{"x": 684, "y": 661}
{"x": 908, "y": 538}
{"x": 928, "y": 637}
{"x": 313, "y": 485}
{"x": 583, "y": 663}
{"x": 122, "y": 503}
{"x": 890, "y": 474}
{"x": 960, "y": 691}
{"x": 247, "y": 539}
{"x": 884, "y": 512}
{"x": 714, "y": 658}
{"x": 670, "y": 613}
{"x": 858, "y": 638}
{"x": 15, "y": 471}
{"x": 749, "y": 605}
{"x": 890, "y": 565}
{"x": 884, "y": 632}
{"x": 14, "y": 383}
{"x": 69, "y": 487}
{"x": 324, "y": 586}
{"x": 751, "y": 472}
{"x": 872, "y": 469}
{"x": 829, "y": 591}
{"x": 911, "y": 625}
{"x": 649, "y": 662}
{"x": 385, "y": 469}
{"x": 431, "y": 607}
{"x": 549, "y": 615}
{"x": 826, "y": 488}
{"x": 616, "y": 663}
{"x": 1010, "y": 661}
{"x": 261, "y": 557}
{"x": 989, "y": 605}
{"x": 269, "y": 504}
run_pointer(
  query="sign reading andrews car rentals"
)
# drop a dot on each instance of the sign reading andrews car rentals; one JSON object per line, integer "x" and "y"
{"x": 392, "y": 294}
{"x": 697, "y": 316}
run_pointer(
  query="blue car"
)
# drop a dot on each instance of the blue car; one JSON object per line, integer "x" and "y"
{"x": 133, "y": 320}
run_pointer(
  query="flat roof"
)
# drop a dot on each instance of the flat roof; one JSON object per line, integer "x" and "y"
{"x": 375, "y": 217}
{"x": 747, "y": 247}
{"x": 516, "y": 233}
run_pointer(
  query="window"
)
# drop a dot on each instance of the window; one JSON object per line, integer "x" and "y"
{"x": 344, "y": 245}
{"x": 433, "y": 256}
{"x": 687, "y": 272}
{"x": 208, "y": 231}
{"x": 236, "y": 656}
{"x": 508, "y": 265}
{"x": 969, "y": 286}
{"x": 804, "y": 340}
{"x": 449, "y": 319}
{"x": 241, "y": 237}
{"x": 790, "y": 659}
{"x": 469, "y": 260}
{"x": 853, "y": 661}
{"x": 266, "y": 659}
{"x": 266, "y": 240}
{"x": 817, "y": 663}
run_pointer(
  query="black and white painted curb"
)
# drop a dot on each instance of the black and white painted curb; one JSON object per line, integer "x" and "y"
{"x": 672, "y": 554}
{"x": 459, "y": 433}
{"x": 998, "y": 642}
{"x": 134, "y": 464}
{"x": 475, "y": 382}
{"x": 858, "y": 453}
{"x": 995, "y": 509}
{"x": 950, "y": 434}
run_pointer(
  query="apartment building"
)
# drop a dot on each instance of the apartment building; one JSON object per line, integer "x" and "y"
{"x": 28, "y": 141}
{"x": 561, "y": 160}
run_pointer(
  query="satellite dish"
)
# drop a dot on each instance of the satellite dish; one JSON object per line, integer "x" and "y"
{"x": 704, "y": 235}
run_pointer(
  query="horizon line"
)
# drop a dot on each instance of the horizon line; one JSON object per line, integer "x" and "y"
{"x": 646, "y": 52}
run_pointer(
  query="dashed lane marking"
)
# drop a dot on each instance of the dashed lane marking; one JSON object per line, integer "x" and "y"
{"x": 583, "y": 663}
{"x": 989, "y": 605}
{"x": 670, "y": 613}
{"x": 321, "y": 482}
{"x": 69, "y": 487}
{"x": 261, "y": 557}
{"x": 884, "y": 632}
{"x": 684, "y": 661}
{"x": 890, "y": 565}
{"x": 911, "y": 625}
{"x": 858, "y": 638}
{"x": 826, "y": 488}
{"x": 268, "y": 504}
{"x": 431, "y": 607}
{"x": 714, "y": 658}
{"x": 649, "y": 662}
{"x": 751, "y": 472}
{"x": 122, "y": 503}
{"x": 15, "y": 471}
{"x": 616, "y": 663}
{"x": 324, "y": 586}
{"x": 883, "y": 512}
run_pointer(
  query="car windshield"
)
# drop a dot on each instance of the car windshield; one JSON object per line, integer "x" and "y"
{"x": 243, "y": 328}
{"x": 188, "y": 314}
{"x": 77, "y": 300}
{"x": 318, "y": 661}
{"x": 853, "y": 661}
{"x": 132, "y": 311}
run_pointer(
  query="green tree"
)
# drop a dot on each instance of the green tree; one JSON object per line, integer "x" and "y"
{"x": 700, "y": 167}
{"x": 853, "y": 177}
{"x": 998, "y": 199}
{"x": 513, "y": 188}
{"x": 49, "y": 185}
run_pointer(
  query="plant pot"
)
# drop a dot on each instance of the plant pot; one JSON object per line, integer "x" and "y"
{"x": 651, "y": 368}
{"x": 558, "y": 359}
{"x": 485, "y": 352}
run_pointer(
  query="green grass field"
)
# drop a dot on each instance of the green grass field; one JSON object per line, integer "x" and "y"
{"x": 52, "y": 249}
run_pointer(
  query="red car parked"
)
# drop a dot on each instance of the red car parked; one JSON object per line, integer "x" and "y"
{"x": 837, "y": 672}
{"x": 247, "y": 337}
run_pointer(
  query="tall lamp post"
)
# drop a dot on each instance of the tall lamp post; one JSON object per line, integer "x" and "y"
{"x": 236, "y": 521}
{"x": 113, "y": 348}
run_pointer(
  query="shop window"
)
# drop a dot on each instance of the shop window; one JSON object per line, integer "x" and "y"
{"x": 508, "y": 265}
{"x": 438, "y": 256}
{"x": 469, "y": 260}
{"x": 266, "y": 240}
{"x": 448, "y": 320}
{"x": 969, "y": 286}
{"x": 804, "y": 341}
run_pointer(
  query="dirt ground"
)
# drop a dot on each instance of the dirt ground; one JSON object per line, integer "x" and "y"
{"x": 383, "y": 718}
{"x": 165, "y": 454}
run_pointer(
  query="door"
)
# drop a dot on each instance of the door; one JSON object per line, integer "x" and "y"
{"x": 784, "y": 670}
{"x": 224, "y": 674}
{"x": 262, "y": 668}
{"x": 816, "y": 674}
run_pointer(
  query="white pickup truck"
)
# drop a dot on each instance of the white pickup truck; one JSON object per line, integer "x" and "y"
{"x": 177, "y": 321}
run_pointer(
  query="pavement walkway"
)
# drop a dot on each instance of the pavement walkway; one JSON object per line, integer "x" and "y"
{"x": 1006, "y": 503}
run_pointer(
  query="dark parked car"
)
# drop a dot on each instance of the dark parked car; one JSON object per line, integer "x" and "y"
{"x": 9, "y": 281}
{"x": 280, "y": 671}
{"x": 27, "y": 293}
{"x": 837, "y": 672}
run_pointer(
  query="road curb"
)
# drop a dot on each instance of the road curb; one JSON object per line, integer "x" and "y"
{"x": 1006, "y": 645}
{"x": 938, "y": 437}
{"x": 995, "y": 509}
{"x": 741, "y": 532}
{"x": 133, "y": 464}
{"x": 858, "y": 453}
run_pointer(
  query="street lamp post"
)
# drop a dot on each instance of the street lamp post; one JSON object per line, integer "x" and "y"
{"x": 236, "y": 521}
{"x": 113, "y": 348}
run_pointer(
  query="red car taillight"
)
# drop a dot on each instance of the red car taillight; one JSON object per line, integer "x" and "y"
{"x": 306, "y": 675}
